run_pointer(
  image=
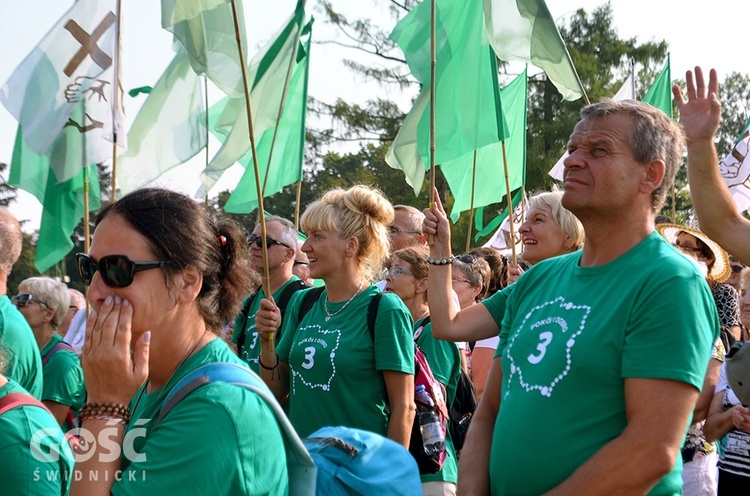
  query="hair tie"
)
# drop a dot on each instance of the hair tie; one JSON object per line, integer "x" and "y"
{"x": 222, "y": 241}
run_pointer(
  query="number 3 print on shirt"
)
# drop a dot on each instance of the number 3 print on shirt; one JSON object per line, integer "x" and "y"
{"x": 539, "y": 349}
{"x": 312, "y": 358}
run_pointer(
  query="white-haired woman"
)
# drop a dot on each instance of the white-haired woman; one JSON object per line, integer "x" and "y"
{"x": 44, "y": 302}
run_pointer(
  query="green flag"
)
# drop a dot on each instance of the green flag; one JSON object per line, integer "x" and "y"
{"x": 488, "y": 177}
{"x": 266, "y": 74}
{"x": 465, "y": 87}
{"x": 289, "y": 149}
{"x": 169, "y": 129}
{"x": 660, "y": 93}
{"x": 62, "y": 203}
{"x": 206, "y": 29}
{"x": 524, "y": 30}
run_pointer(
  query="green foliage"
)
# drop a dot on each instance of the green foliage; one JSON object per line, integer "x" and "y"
{"x": 7, "y": 192}
{"x": 24, "y": 267}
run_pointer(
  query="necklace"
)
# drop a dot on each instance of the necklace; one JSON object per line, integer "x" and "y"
{"x": 325, "y": 303}
{"x": 187, "y": 355}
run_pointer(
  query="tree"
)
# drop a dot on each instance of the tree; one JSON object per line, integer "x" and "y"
{"x": 24, "y": 267}
{"x": 7, "y": 192}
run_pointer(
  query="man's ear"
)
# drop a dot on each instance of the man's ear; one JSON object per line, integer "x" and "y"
{"x": 653, "y": 177}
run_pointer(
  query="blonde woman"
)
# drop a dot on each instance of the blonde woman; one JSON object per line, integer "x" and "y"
{"x": 327, "y": 365}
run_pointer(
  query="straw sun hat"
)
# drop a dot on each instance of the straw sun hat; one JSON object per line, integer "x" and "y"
{"x": 721, "y": 270}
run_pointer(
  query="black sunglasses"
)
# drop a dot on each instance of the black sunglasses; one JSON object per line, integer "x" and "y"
{"x": 117, "y": 271}
{"x": 736, "y": 268}
{"x": 467, "y": 259}
{"x": 258, "y": 240}
{"x": 23, "y": 299}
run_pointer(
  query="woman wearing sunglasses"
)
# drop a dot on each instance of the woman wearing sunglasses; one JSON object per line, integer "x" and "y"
{"x": 327, "y": 365}
{"x": 163, "y": 280}
{"x": 44, "y": 302}
{"x": 407, "y": 277}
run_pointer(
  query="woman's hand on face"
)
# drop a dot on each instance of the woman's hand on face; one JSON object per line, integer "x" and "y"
{"x": 267, "y": 319}
{"x": 111, "y": 372}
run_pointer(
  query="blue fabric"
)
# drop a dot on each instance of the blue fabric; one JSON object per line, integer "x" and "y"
{"x": 380, "y": 466}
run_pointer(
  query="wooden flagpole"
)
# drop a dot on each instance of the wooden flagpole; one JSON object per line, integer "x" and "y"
{"x": 208, "y": 132}
{"x": 471, "y": 211}
{"x": 510, "y": 207}
{"x": 433, "y": 63}
{"x": 116, "y": 100}
{"x": 266, "y": 280}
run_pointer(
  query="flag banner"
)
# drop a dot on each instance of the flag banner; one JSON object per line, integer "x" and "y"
{"x": 626, "y": 92}
{"x": 735, "y": 169}
{"x": 501, "y": 240}
{"x": 524, "y": 30}
{"x": 169, "y": 129}
{"x": 62, "y": 202}
{"x": 466, "y": 91}
{"x": 205, "y": 28}
{"x": 267, "y": 75}
{"x": 488, "y": 178}
{"x": 73, "y": 64}
{"x": 660, "y": 93}
{"x": 289, "y": 148}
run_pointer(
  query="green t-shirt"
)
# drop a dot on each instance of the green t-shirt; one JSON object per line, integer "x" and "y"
{"x": 250, "y": 351}
{"x": 63, "y": 378}
{"x": 24, "y": 470}
{"x": 569, "y": 338}
{"x": 444, "y": 360}
{"x": 335, "y": 375}
{"x": 220, "y": 440}
{"x": 21, "y": 351}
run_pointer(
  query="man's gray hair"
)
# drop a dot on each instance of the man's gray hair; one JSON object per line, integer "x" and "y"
{"x": 653, "y": 137}
{"x": 288, "y": 232}
{"x": 11, "y": 240}
{"x": 415, "y": 216}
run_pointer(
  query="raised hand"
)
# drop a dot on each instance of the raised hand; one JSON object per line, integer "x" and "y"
{"x": 701, "y": 112}
{"x": 267, "y": 319}
{"x": 435, "y": 226}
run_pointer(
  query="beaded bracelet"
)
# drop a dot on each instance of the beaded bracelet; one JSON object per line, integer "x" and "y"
{"x": 109, "y": 411}
{"x": 445, "y": 261}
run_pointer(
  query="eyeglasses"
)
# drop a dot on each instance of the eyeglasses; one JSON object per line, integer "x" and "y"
{"x": 300, "y": 262}
{"x": 117, "y": 271}
{"x": 687, "y": 248}
{"x": 459, "y": 279}
{"x": 23, "y": 299}
{"x": 396, "y": 230}
{"x": 258, "y": 240}
{"x": 737, "y": 268}
{"x": 398, "y": 270}
{"x": 467, "y": 259}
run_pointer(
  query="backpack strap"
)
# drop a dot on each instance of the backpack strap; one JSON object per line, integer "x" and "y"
{"x": 301, "y": 468}
{"x": 372, "y": 314}
{"x": 308, "y": 301}
{"x": 245, "y": 310}
{"x": 62, "y": 345}
{"x": 14, "y": 400}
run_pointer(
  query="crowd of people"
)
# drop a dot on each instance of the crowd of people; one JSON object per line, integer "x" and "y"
{"x": 599, "y": 366}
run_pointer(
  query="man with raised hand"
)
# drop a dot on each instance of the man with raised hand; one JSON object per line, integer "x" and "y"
{"x": 717, "y": 213}
{"x": 602, "y": 351}
{"x": 281, "y": 240}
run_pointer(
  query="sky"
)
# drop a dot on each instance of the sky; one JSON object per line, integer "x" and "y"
{"x": 709, "y": 37}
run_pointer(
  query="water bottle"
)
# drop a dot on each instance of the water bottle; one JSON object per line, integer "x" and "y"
{"x": 433, "y": 437}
